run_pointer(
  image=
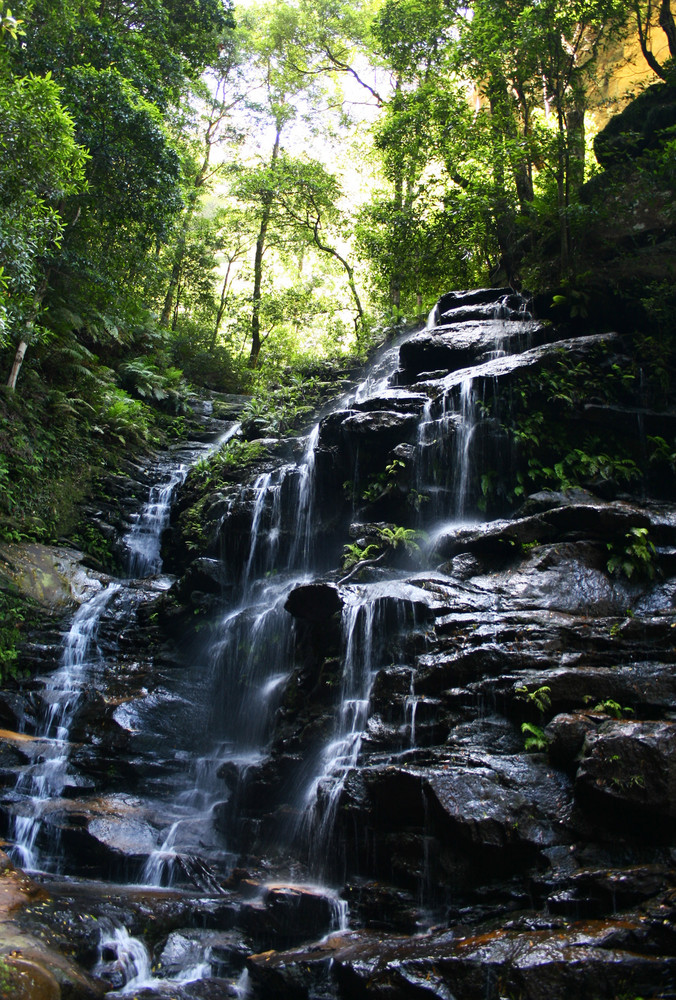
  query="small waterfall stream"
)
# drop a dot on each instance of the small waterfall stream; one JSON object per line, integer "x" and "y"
{"x": 45, "y": 779}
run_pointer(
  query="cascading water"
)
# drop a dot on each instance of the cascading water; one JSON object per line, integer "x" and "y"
{"x": 43, "y": 781}
{"x": 144, "y": 539}
{"x": 340, "y": 755}
{"x": 245, "y": 664}
{"x": 463, "y": 438}
{"x": 370, "y": 624}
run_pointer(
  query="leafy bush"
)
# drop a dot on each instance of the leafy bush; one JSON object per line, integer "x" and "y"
{"x": 143, "y": 379}
{"x": 125, "y": 419}
{"x": 635, "y": 556}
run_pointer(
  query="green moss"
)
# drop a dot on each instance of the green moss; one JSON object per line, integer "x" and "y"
{"x": 14, "y": 611}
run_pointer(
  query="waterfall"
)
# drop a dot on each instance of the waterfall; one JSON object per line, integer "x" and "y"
{"x": 301, "y": 547}
{"x": 143, "y": 542}
{"x": 340, "y": 755}
{"x": 125, "y": 961}
{"x": 43, "y": 781}
{"x": 145, "y": 537}
{"x": 217, "y": 767}
{"x": 369, "y": 624}
{"x": 246, "y": 662}
{"x": 464, "y": 434}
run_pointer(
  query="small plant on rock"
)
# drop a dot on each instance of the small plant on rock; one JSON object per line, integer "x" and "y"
{"x": 534, "y": 738}
{"x": 540, "y": 697}
{"x": 384, "y": 482}
{"x": 610, "y": 707}
{"x": 635, "y": 556}
{"x": 355, "y": 557}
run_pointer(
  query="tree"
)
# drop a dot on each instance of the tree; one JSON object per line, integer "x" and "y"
{"x": 285, "y": 83}
{"x": 221, "y": 93}
{"x": 648, "y": 16}
{"x": 38, "y": 133}
{"x": 530, "y": 58}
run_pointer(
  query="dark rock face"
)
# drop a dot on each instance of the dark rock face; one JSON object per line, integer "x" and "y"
{"x": 638, "y": 128}
{"x": 630, "y": 768}
{"x": 464, "y": 341}
{"x": 315, "y": 602}
{"x": 591, "y": 958}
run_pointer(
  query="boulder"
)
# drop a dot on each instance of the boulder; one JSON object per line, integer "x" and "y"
{"x": 53, "y": 576}
{"x": 314, "y": 602}
{"x": 630, "y": 767}
{"x": 566, "y": 734}
{"x": 639, "y": 127}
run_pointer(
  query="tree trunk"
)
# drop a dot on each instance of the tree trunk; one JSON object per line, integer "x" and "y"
{"x": 18, "y": 361}
{"x": 562, "y": 191}
{"x": 668, "y": 25}
{"x": 221, "y": 305}
{"x": 644, "y": 35}
{"x": 268, "y": 198}
{"x": 576, "y": 144}
{"x": 349, "y": 270}
{"x": 28, "y": 336}
{"x": 173, "y": 283}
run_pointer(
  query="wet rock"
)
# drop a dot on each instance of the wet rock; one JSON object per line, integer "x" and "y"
{"x": 630, "y": 767}
{"x": 16, "y": 749}
{"x": 36, "y": 967}
{"x": 465, "y": 566}
{"x": 26, "y": 980}
{"x": 290, "y": 913}
{"x": 565, "y": 522}
{"x": 472, "y": 296}
{"x": 12, "y": 709}
{"x": 205, "y": 575}
{"x": 590, "y": 959}
{"x": 330, "y": 428}
{"x": 566, "y": 734}
{"x": 468, "y": 337}
{"x": 380, "y": 425}
{"x": 54, "y": 576}
{"x": 314, "y": 602}
{"x": 399, "y": 400}
{"x": 110, "y": 834}
{"x": 642, "y": 687}
{"x": 190, "y": 948}
{"x": 509, "y": 804}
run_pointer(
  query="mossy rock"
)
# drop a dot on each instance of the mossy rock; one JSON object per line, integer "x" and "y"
{"x": 23, "y": 980}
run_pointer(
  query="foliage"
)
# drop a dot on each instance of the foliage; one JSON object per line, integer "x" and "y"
{"x": 13, "y": 612}
{"x": 233, "y": 457}
{"x": 551, "y": 452}
{"x": 636, "y": 555}
{"x": 387, "y": 539}
{"x": 534, "y": 737}
{"x": 145, "y": 380}
{"x": 382, "y": 483}
{"x": 354, "y": 554}
{"x": 540, "y": 697}
{"x": 610, "y": 707}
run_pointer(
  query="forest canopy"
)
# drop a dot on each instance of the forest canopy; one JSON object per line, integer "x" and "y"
{"x": 203, "y": 193}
